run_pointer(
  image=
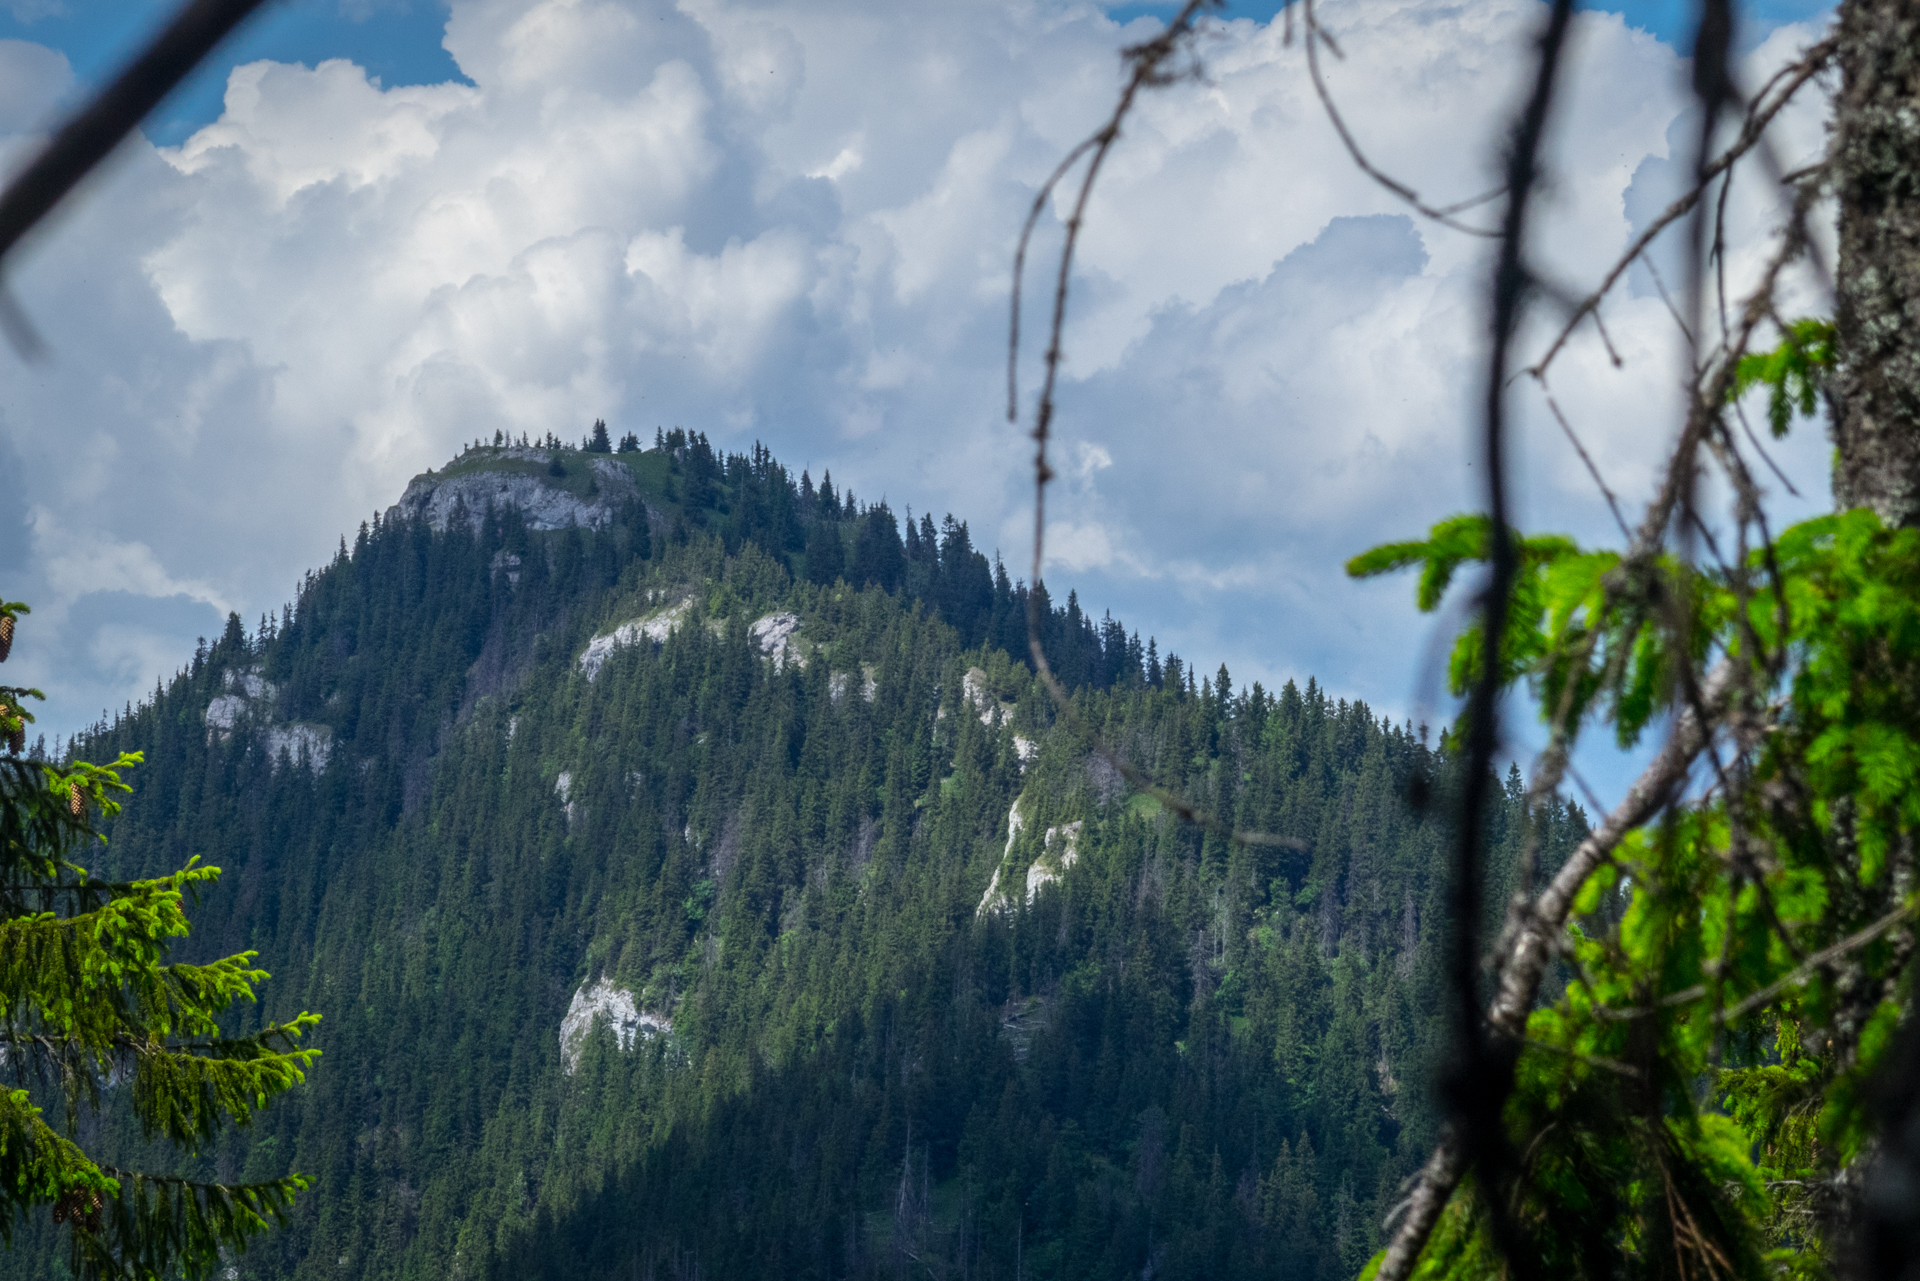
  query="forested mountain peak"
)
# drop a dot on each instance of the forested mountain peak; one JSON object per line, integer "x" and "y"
{"x": 708, "y": 886}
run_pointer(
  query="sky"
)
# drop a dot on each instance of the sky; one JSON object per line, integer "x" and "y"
{"x": 369, "y": 231}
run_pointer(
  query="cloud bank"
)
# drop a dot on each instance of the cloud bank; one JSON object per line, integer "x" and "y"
{"x": 794, "y": 222}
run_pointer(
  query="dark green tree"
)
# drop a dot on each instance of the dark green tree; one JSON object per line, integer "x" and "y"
{"x": 826, "y": 553}
{"x": 95, "y": 1017}
{"x": 878, "y": 557}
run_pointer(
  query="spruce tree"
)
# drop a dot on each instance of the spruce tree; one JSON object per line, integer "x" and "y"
{"x": 826, "y": 554}
{"x": 93, "y": 1017}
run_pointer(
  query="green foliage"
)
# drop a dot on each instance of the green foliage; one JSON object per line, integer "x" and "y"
{"x": 97, "y": 1018}
{"x": 1792, "y": 373}
{"x": 1572, "y": 633}
{"x": 1693, "y": 958}
{"x": 1209, "y": 1057}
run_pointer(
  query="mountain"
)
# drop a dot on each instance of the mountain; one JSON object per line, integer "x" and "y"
{"x": 694, "y": 884}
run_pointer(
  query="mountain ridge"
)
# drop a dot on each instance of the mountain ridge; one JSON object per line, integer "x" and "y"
{"x": 1163, "y": 1050}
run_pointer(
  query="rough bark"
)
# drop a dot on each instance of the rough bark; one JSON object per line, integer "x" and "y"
{"x": 1875, "y": 170}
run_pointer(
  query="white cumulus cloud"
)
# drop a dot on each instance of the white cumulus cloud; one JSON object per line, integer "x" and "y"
{"x": 794, "y": 222}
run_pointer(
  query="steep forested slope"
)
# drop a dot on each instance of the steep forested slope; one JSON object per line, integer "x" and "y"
{"x": 894, "y": 973}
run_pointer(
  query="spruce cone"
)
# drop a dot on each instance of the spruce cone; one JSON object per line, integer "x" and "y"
{"x": 17, "y": 741}
{"x": 76, "y": 800}
{"x": 81, "y": 1205}
{"x": 6, "y": 636}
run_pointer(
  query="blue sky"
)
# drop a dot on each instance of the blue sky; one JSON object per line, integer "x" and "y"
{"x": 399, "y": 41}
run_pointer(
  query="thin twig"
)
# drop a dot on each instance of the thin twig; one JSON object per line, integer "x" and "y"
{"x": 1803, "y": 971}
{"x": 1483, "y": 1077}
{"x": 1613, "y": 504}
{"x": 1660, "y": 285}
{"x": 1606, "y": 340}
{"x": 1149, "y": 61}
{"x": 1443, "y": 216}
{"x": 1707, "y": 402}
{"x": 1761, "y": 450}
{"x": 1020, "y": 268}
{"x": 1595, "y": 1060}
{"x": 1586, "y": 789}
{"x": 1758, "y": 119}
{"x": 18, "y": 328}
{"x": 1756, "y": 1000}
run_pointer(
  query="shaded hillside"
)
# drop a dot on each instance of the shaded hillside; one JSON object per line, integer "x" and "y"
{"x": 872, "y": 967}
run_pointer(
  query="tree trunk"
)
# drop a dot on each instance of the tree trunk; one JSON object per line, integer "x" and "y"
{"x": 1876, "y": 174}
{"x": 1874, "y": 396}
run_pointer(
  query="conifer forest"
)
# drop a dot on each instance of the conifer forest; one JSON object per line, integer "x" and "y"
{"x": 905, "y": 975}
{"x": 637, "y": 859}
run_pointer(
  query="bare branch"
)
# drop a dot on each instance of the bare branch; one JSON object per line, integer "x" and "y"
{"x": 1539, "y": 924}
{"x": 1613, "y": 504}
{"x": 1038, "y": 207}
{"x": 88, "y": 138}
{"x": 1150, "y": 69}
{"x": 1802, "y": 972}
{"x": 1479, "y": 1083}
{"x": 1708, "y": 402}
{"x": 1595, "y": 1060}
{"x": 1758, "y": 118}
{"x": 1443, "y": 216}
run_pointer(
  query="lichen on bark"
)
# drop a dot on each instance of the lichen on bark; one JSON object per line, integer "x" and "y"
{"x": 1875, "y": 171}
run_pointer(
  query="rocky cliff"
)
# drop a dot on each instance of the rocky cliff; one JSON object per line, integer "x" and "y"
{"x": 588, "y": 493}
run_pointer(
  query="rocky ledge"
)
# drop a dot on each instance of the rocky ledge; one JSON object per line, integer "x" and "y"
{"x": 599, "y": 1001}
{"x": 543, "y": 503}
{"x": 247, "y": 704}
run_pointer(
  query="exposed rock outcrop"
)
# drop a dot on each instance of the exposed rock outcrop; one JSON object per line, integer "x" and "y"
{"x": 840, "y": 684}
{"x": 974, "y": 691}
{"x": 303, "y": 744}
{"x": 773, "y": 636}
{"x": 601, "y": 999}
{"x": 1059, "y": 850}
{"x": 249, "y": 704}
{"x": 437, "y": 497}
{"x": 993, "y": 899}
{"x": 654, "y": 627}
{"x": 1054, "y": 862}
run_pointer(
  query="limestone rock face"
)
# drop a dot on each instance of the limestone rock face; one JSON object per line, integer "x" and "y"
{"x": 974, "y": 692}
{"x": 654, "y": 627}
{"x": 224, "y": 712}
{"x": 773, "y": 636}
{"x": 1059, "y": 850}
{"x": 301, "y": 743}
{"x": 840, "y": 684}
{"x": 601, "y": 999}
{"x": 994, "y": 899}
{"x": 1062, "y": 848}
{"x": 542, "y": 504}
{"x": 248, "y": 704}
